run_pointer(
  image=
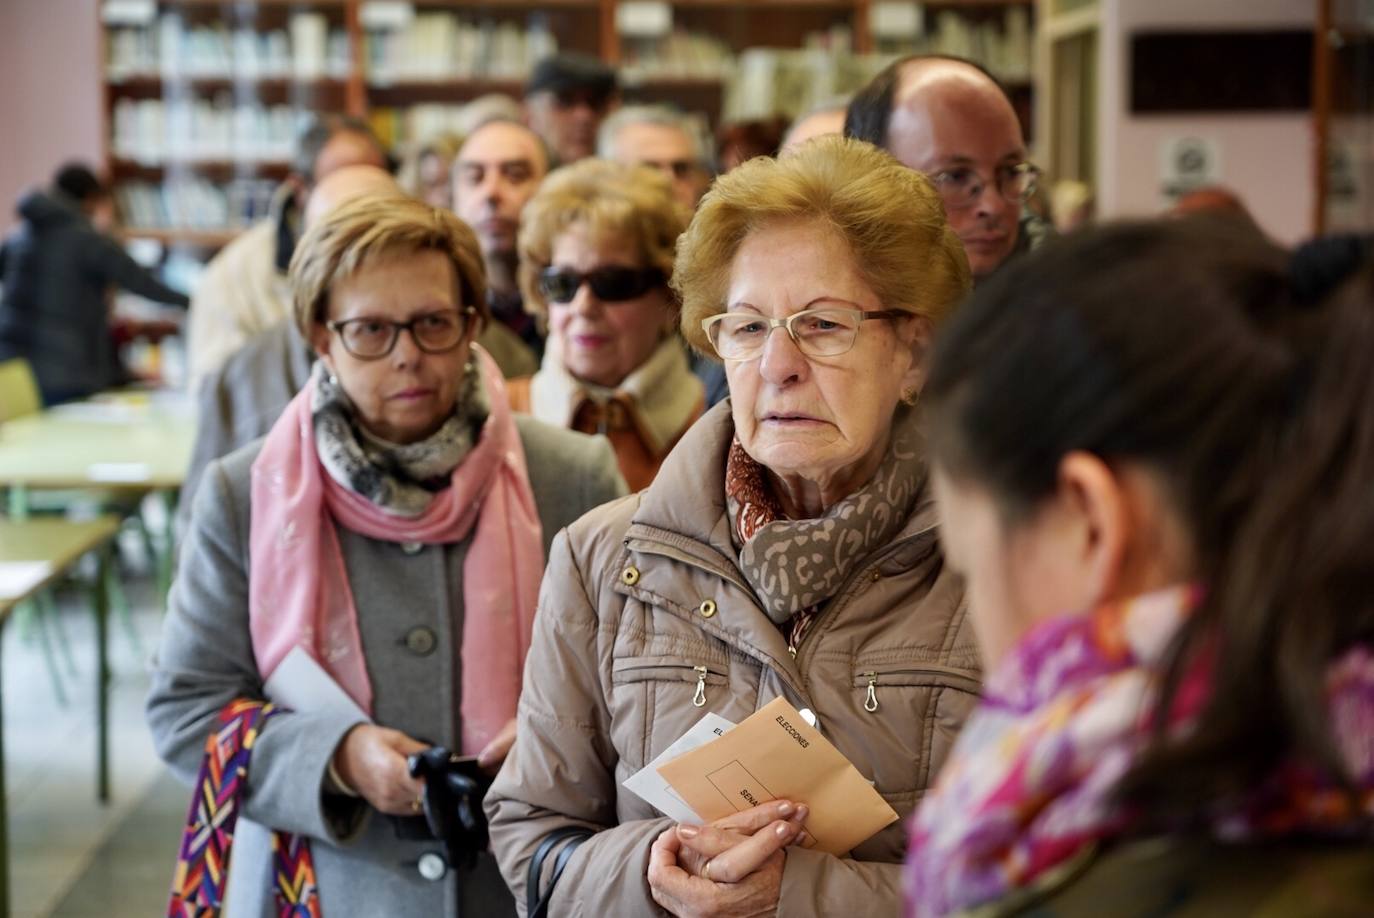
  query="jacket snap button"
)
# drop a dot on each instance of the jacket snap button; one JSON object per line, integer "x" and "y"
{"x": 707, "y": 608}
{"x": 412, "y": 548}
{"x": 630, "y": 576}
{"x": 432, "y": 866}
{"x": 420, "y": 641}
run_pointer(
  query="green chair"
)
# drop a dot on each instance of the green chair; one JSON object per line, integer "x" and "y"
{"x": 19, "y": 397}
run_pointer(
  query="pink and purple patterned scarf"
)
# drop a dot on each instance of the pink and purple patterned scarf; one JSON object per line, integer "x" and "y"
{"x": 1029, "y": 783}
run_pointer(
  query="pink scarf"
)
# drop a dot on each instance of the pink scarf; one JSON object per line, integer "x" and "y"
{"x": 298, "y": 589}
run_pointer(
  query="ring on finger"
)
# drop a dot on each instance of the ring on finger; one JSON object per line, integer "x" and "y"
{"x": 417, "y": 805}
{"x": 706, "y": 869}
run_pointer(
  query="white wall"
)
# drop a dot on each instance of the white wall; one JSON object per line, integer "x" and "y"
{"x": 1265, "y": 158}
{"x": 50, "y": 92}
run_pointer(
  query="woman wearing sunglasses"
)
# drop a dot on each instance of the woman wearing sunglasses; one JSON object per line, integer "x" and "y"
{"x": 596, "y": 252}
{"x": 788, "y": 548}
{"x": 1158, "y": 440}
{"x": 392, "y": 526}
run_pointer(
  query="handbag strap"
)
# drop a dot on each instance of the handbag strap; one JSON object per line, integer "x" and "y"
{"x": 202, "y": 869}
{"x": 537, "y": 906}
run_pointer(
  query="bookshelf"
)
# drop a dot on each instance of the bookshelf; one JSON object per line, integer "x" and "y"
{"x": 203, "y": 98}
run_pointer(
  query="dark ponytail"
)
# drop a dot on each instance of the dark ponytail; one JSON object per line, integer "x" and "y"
{"x": 1191, "y": 350}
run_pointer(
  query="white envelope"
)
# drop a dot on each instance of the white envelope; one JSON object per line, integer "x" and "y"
{"x": 649, "y": 786}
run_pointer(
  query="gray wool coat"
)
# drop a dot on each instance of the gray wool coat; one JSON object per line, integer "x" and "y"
{"x": 410, "y": 614}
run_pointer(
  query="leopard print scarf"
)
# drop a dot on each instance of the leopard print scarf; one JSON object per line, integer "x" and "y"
{"x": 796, "y": 566}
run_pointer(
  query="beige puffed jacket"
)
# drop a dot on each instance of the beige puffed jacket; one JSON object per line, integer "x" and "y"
{"x": 644, "y": 612}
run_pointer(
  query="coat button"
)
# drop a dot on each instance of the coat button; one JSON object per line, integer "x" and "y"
{"x": 630, "y": 576}
{"x": 420, "y": 641}
{"x": 432, "y": 866}
{"x": 707, "y": 608}
{"x": 412, "y": 548}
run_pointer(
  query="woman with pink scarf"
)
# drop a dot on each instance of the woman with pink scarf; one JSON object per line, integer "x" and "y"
{"x": 389, "y": 533}
{"x": 1163, "y": 473}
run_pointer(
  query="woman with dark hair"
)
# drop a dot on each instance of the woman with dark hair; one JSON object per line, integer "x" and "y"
{"x": 1163, "y": 475}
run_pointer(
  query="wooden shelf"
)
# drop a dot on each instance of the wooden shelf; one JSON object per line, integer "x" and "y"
{"x": 133, "y": 167}
{"x": 156, "y": 83}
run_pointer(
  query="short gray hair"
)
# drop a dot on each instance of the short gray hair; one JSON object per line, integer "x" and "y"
{"x": 654, "y": 114}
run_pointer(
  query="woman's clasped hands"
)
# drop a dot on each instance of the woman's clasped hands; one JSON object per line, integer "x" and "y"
{"x": 731, "y": 868}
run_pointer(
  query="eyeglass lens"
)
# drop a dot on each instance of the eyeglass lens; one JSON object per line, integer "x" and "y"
{"x": 433, "y": 332}
{"x": 612, "y": 284}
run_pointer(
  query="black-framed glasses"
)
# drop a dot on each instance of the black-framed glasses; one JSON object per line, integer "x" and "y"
{"x": 611, "y": 284}
{"x": 962, "y": 186}
{"x": 826, "y": 332}
{"x": 372, "y": 338}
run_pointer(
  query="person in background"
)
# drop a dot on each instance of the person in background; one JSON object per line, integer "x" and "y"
{"x": 596, "y": 252}
{"x": 425, "y": 172}
{"x": 741, "y": 141}
{"x": 57, "y": 269}
{"x": 1072, "y": 205}
{"x": 497, "y": 170}
{"x": 819, "y": 279}
{"x": 663, "y": 139}
{"x": 1166, "y": 541}
{"x": 566, "y": 98}
{"x": 950, "y": 119}
{"x": 240, "y": 401}
{"x": 822, "y": 120}
{"x": 393, "y": 526}
{"x": 244, "y": 289}
{"x": 491, "y": 106}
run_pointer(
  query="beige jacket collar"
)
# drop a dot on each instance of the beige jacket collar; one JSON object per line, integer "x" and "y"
{"x": 663, "y": 391}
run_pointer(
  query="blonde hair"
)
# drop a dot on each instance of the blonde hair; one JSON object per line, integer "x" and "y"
{"x": 606, "y": 199}
{"x": 374, "y": 226}
{"x": 890, "y": 216}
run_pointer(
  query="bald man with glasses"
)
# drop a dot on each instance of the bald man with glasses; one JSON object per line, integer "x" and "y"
{"x": 950, "y": 119}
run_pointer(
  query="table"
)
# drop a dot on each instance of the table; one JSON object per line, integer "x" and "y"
{"x": 134, "y": 441}
{"x": 33, "y": 555}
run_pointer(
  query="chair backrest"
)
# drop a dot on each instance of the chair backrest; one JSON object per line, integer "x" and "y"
{"x": 18, "y": 390}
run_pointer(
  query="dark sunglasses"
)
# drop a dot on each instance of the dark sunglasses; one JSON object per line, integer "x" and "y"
{"x": 612, "y": 285}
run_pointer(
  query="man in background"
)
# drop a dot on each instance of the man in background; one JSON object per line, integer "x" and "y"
{"x": 244, "y": 291}
{"x": 498, "y": 169}
{"x": 663, "y": 139}
{"x": 822, "y": 120}
{"x": 950, "y": 119}
{"x": 57, "y": 270}
{"x": 566, "y": 99}
{"x": 241, "y": 399}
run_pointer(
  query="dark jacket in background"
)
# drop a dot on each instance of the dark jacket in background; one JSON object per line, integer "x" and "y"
{"x": 57, "y": 270}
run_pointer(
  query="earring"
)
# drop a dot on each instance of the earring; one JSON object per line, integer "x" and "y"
{"x": 333, "y": 380}
{"x": 910, "y": 396}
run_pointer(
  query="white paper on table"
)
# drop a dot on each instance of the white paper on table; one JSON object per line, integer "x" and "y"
{"x": 115, "y": 472}
{"x": 301, "y": 684}
{"x": 18, "y": 578}
{"x": 649, "y": 786}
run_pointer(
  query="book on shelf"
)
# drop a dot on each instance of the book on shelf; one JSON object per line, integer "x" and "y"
{"x": 308, "y": 49}
{"x": 154, "y": 132}
{"x": 438, "y": 46}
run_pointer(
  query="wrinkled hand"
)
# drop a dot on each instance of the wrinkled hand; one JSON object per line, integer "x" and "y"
{"x": 372, "y": 760}
{"x": 753, "y": 895}
{"x": 708, "y": 843}
{"x": 495, "y": 752}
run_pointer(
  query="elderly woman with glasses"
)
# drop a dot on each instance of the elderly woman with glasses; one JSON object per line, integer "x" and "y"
{"x": 388, "y": 534}
{"x": 596, "y": 252}
{"x": 788, "y": 548}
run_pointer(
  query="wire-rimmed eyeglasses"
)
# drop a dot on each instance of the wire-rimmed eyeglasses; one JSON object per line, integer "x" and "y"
{"x": 826, "y": 332}
{"x": 962, "y": 186}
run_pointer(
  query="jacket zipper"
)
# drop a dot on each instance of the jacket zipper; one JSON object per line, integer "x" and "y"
{"x": 699, "y": 696}
{"x": 853, "y": 578}
{"x": 871, "y": 695}
{"x": 666, "y": 550}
